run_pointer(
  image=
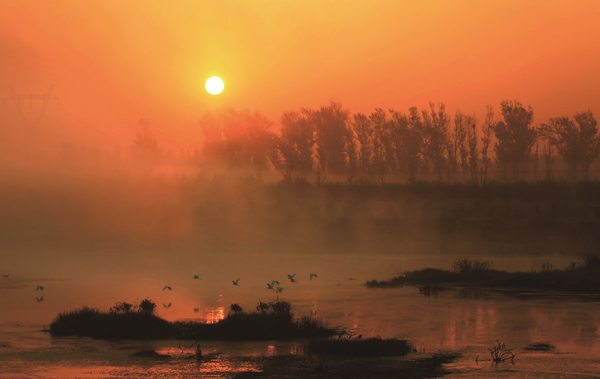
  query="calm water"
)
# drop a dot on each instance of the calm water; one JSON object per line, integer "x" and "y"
{"x": 464, "y": 321}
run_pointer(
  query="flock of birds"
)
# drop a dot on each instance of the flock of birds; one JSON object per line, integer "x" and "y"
{"x": 274, "y": 285}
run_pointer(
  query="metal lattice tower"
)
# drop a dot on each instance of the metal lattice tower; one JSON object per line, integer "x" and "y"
{"x": 19, "y": 99}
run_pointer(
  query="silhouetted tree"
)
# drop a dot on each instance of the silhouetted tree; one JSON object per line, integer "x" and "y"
{"x": 261, "y": 142}
{"x": 364, "y": 134}
{"x": 352, "y": 153}
{"x": 211, "y": 124}
{"x": 548, "y": 162}
{"x": 461, "y": 132}
{"x": 536, "y": 160}
{"x": 473, "y": 152}
{"x": 407, "y": 137}
{"x": 487, "y": 129}
{"x": 381, "y": 144}
{"x": 297, "y": 142}
{"x": 458, "y": 152}
{"x": 240, "y": 139}
{"x": 515, "y": 135}
{"x": 590, "y": 140}
{"x": 331, "y": 124}
{"x": 235, "y": 140}
{"x": 577, "y": 141}
{"x": 145, "y": 146}
{"x": 435, "y": 132}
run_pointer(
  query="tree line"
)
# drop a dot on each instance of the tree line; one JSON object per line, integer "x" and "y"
{"x": 372, "y": 147}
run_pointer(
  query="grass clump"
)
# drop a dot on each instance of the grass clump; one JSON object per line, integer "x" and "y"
{"x": 271, "y": 321}
{"x": 358, "y": 347}
{"x": 467, "y": 266}
{"x": 123, "y": 320}
{"x": 500, "y": 353}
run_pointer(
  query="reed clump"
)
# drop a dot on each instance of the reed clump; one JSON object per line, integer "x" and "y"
{"x": 467, "y": 266}
{"x": 500, "y": 353}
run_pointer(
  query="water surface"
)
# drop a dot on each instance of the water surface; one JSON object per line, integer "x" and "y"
{"x": 467, "y": 321}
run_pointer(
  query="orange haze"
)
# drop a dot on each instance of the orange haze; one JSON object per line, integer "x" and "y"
{"x": 113, "y": 62}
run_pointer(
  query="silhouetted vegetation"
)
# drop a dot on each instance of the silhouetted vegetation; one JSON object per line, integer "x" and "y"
{"x": 500, "y": 353}
{"x": 515, "y": 136}
{"x": 466, "y": 265}
{"x": 361, "y": 148}
{"x": 578, "y": 144}
{"x": 582, "y": 278}
{"x": 119, "y": 322}
{"x": 271, "y": 321}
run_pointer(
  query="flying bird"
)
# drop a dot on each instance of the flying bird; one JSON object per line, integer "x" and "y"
{"x": 272, "y": 285}
{"x": 291, "y": 276}
{"x": 196, "y": 310}
{"x": 167, "y": 306}
{"x": 312, "y": 275}
{"x": 196, "y": 276}
{"x": 39, "y": 288}
{"x": 279, "y": 290}
{"x": 167, "y": 288}
{"x": 293, "y": 280}
{"x": 6, "y": 276}
{"x": 40, "y": 298}
{"x": 235, "y": 282}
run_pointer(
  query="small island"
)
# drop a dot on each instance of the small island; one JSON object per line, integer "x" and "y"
{"x": 270, "y": 321}
{"x": 582, "y": 277}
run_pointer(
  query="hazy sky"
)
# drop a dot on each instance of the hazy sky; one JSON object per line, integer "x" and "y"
{"x": 113, "y": 62}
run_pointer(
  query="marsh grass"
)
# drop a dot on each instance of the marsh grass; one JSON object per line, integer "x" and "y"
{"x": 467, "y": 266}
{"x": 370, "y": 347}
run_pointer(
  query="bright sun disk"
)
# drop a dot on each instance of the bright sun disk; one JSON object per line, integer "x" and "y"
{"x": 214, "y": 85}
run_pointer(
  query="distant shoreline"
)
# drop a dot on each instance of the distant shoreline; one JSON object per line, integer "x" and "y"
{"x": 583, "y": 279}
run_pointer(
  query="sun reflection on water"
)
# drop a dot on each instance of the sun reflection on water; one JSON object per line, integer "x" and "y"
{"x": 214, "y": 314}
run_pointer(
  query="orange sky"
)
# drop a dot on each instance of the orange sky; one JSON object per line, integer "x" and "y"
{"x": 113, "y": 62}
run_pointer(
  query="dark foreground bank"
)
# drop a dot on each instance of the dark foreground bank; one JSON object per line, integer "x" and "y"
{"x": 419, "y": 366}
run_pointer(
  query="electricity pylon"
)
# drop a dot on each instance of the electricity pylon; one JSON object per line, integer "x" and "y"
{"x": 19, "y": 99}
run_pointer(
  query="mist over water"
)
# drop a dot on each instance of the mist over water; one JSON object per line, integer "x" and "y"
{"x": 98, "y": 228}
{"x": 112, "y": 186}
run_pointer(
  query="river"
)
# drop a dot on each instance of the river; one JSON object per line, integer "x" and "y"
{"x": 465, "y": 321}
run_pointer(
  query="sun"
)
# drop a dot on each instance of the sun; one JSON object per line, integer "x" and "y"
{"x": 214, "y": 85}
